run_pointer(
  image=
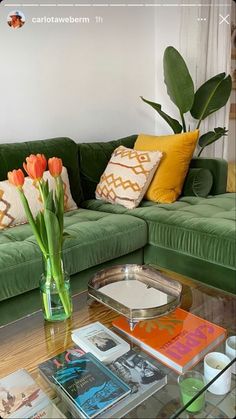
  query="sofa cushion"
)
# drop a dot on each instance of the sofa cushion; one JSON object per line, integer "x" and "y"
{"x": 96, "y": 237}
{"x": 127, "y": 176}
{"x": 13, "y": 155}
{"x": 198, "y": 182}
{"x": 204, "y": 228}
{"x": 11, "y": 208}
{"x": 177, "y": 149}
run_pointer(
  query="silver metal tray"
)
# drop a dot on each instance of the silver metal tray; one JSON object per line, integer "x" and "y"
{"x": 138, "y": 292}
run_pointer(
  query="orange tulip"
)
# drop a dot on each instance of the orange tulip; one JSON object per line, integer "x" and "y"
{"x": 35, "y": 166}
{"x": 16, "y": 178}
{"x": 55, "y": 166}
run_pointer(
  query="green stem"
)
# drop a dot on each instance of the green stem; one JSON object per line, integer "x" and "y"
{"x": 200, "y": 152}
{"x": 199, "y": 123}
{"x": 183, "y": 122}
{"x": 32, "y": 221}
{"x": 60, "y": 204}
{"x": 41, "y": 190}
{"x": 58, "y": 275}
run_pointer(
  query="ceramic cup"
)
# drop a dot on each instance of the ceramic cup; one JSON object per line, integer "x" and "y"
{"x": 230, "y": 350}
{"x": 190, "y": 383}
{"x": 214, "y": 362}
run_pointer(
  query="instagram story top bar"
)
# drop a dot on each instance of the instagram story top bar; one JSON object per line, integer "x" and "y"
{"x": 99, "y": 3}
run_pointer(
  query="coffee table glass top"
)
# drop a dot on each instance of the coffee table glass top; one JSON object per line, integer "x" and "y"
{"x": 29, "y": 341}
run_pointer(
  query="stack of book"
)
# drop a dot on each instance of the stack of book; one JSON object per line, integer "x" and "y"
{"x": 92, "y": 389}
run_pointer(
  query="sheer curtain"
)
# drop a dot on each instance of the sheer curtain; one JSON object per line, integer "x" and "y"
{"x": 206, "y": 48}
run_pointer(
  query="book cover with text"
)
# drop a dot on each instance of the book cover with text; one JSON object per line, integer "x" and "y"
{"x": 179, "y": 339}
{"x": 91, "y": 385}
{"x": 21, "y": 397}
{"x": 67, "y": 358}
{"x": 144, "y": 375}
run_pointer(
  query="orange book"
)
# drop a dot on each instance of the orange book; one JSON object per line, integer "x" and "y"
{"x": 179, "y": 339}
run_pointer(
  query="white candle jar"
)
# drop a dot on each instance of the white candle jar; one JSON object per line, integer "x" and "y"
{"x": 230, "y": 350}
{"x": 214, "y": 362}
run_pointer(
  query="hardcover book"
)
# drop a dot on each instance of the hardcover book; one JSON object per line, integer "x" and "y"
{"x": 142, "y": 373}
{"x": 100, "y": 341}
{"x": 179, "y": 339}
{"x": 91, "y": 385}
{"x": 21, "y": 397}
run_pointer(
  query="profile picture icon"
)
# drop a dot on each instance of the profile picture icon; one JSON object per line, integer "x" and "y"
{"x": 16, "y": 19}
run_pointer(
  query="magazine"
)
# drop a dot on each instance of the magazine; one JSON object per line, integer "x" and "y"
{"x": 179, "y": 339}
{"x": 91, "y": 385}
{"x": 142, "y": 373}
{"x": 100, "y": 341}
{"x": 21, "y": 397}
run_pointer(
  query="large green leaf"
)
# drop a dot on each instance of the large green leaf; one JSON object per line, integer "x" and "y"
{"x": 178, "y": 80}
{"x": 173, "y": 123}
{"x": 211, "y": 96}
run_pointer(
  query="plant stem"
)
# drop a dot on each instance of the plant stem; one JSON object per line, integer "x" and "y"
{"x": 199, "y": 123}
{"x": 58, "y": 276}
{"x": 200, "y": 152}
{"x": 183, "y": 122}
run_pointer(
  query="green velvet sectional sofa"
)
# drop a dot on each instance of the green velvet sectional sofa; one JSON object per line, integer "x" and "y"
{"x": 193, "y": 236}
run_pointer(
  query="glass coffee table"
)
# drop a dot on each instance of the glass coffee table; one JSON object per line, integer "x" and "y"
{"x": 29, "y": 341}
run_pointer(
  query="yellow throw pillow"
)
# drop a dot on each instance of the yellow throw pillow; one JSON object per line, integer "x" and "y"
{"x": 127, "y": 176}
{"x": 177, "y": 149}
{"x": 231, "y": 181}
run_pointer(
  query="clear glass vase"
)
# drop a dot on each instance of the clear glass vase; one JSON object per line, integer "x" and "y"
{"x": 55, "y": 290}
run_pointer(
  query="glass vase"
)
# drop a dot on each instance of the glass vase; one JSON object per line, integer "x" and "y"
{"x": 55, "y": 290}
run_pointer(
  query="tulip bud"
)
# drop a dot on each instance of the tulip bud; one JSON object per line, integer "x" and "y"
{"x": 55, "y": 166}
{"x": 16, "y": 178}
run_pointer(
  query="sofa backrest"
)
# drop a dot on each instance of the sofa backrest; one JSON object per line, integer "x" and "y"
{"x": 93, "y": 159}
{"x": 12, "y": 156}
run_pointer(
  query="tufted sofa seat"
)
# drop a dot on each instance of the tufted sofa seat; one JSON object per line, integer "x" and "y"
{"x": 194, "y": 235}
{"x": 96, "y": 237}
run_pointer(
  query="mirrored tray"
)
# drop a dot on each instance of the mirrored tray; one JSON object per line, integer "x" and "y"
{"x": 138, "y": 292}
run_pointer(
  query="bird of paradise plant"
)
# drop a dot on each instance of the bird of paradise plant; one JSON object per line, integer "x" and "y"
{"x": 48, "y": 225}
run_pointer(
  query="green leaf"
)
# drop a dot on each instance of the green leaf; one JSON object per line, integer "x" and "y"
{"x": 173, "y": 123}
{"x": 42, "y": 229}
{"x": 212, "y": 136}
{"x": 53, "y": 232}
{"x": 178, "y": 80}
{"x": 49, "y": 204}
{"x": 32, "y": 221}
{"x": 59, "y": 203}
{"x": 211, "y": 96}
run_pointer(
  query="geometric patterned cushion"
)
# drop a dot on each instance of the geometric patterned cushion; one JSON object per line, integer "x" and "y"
{"x": 11, "y": 208}
{"x": 127, "y": 176}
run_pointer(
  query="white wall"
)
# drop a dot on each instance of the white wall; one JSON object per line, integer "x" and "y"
{"x": 84, "y": 80}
